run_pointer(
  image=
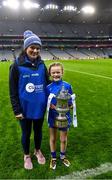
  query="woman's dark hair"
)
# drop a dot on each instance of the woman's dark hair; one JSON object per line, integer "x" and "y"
{"x": 22, "y": 53}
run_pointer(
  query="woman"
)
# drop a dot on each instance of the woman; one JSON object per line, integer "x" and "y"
{"x": 27, "y": 83}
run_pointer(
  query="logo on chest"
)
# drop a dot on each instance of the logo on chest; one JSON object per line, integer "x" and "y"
{"x": 30, "y": 87}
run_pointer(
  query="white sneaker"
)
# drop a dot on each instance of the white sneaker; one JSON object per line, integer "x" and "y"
{"x": 27, "y": 162}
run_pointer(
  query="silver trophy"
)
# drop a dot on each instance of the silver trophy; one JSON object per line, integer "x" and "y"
{"x": 62, "y": 108}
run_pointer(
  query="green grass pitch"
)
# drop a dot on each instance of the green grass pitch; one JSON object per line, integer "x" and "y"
{"x": 89, "y": 145}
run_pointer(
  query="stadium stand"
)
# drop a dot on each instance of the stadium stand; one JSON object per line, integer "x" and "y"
{"x": 65, "y": 35}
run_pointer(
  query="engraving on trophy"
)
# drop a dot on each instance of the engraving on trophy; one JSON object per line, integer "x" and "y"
{"x": 62, "y": 108}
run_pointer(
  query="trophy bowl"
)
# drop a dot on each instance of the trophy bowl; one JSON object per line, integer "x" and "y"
{"x": 62, "y": 108}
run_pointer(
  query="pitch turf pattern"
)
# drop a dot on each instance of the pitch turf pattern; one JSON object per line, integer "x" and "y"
{"x": 103, "y": 168}
{"x": 89, "y": 145}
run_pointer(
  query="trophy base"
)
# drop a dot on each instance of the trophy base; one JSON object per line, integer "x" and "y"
{"x": 61, "y": 124}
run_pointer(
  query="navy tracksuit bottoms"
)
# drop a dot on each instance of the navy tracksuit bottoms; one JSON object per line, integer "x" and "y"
{"x": 26, "y": 126}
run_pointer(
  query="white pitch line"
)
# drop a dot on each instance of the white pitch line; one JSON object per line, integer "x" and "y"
{"x": 97, "y": 75}
{"x": 103, "y": 168}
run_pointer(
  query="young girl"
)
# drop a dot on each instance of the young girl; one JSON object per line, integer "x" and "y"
{"x": 27, "y": 81}
{"x": 56, "y": 73}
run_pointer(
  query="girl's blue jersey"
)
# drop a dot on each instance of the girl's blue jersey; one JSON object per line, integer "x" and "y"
{"x": 54, "y": 88}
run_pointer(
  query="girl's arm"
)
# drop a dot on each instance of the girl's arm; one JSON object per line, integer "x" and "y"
{"x": 70, "y": 101}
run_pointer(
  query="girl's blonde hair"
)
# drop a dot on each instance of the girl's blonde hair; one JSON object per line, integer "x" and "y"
{"x": 55, "y": 64}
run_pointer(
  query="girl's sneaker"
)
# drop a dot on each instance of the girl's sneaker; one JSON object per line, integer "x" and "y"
{"x": 53, "y": 163}
{"x": 66, "y": 162}
{"x": 27, "y": 162}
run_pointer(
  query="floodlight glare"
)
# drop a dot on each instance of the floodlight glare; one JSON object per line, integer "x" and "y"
{"x": 13, "y": 4}
{"x": 4, "y": 3}
{"x": 28, "y": 4}
{"x": 51, "y": 6}
{"x": 69, "y": 8}
{"x": 35, "y": 5}
{"x": 88, "y": 9}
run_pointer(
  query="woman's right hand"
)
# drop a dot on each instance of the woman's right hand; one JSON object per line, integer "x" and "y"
{"x": 20, "y": 116}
